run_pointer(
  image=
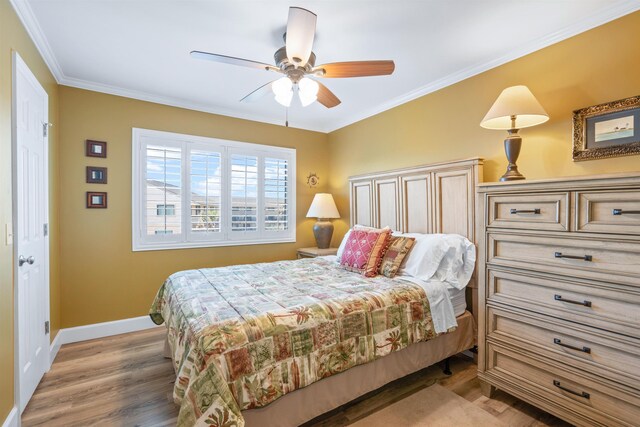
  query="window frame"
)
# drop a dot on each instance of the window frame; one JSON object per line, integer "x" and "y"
{"x": 141, "y": 241}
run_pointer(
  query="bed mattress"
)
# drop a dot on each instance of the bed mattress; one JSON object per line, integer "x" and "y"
{"x": 458, "y": 299}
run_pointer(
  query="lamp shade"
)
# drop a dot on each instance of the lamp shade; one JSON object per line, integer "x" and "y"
{"x": 307, "y": 91}
{"x": 515, "y": 101}
{"x": 323, "y": 206}
{"x": 283, "y": 90}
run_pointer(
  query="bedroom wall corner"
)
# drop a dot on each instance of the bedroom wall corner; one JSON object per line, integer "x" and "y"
{"x": 103, "y": 280}
{"x": 594, "y": 67}
{"x": 13, "y": 37}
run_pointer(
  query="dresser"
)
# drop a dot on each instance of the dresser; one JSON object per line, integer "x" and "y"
{"x": 559, "y": 295}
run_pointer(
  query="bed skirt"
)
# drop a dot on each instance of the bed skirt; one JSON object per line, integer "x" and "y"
{"x": 307, "y": 403}
{"x": 318, "y": 398}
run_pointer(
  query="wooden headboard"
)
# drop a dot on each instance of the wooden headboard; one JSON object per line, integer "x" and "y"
{"x": 435, "y": 198}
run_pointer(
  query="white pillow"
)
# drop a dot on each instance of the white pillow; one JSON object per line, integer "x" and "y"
{"x": 447, "y": 257}
{"x": 343, "y": 244}
{"x": 424, "y": 258}
{"x": 459, "y": 262}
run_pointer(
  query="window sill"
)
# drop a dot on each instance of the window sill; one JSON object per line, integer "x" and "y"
{"x": 200, "y": 245}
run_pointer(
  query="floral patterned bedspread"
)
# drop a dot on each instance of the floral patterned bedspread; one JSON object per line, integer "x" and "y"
{"x": 244, "y": 335}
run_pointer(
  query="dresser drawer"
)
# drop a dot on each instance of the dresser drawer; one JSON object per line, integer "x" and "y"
{"x": 597, "y": 352}
{"x": 599, "y": 306}
{"x": 536, "y": 211}
{"x": 608, "y": 211}
{"x": 566, "y": 388}
{"x": 606, "y": 260}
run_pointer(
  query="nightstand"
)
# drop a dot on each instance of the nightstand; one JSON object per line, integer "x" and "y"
{"x": 314, "y": 252}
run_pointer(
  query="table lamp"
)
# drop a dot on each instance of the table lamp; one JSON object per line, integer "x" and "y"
{"x": 324, "y": 208}
{"x": 515, "y": 108}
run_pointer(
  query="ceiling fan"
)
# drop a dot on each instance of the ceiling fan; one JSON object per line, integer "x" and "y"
{"x": 296, "y": 61}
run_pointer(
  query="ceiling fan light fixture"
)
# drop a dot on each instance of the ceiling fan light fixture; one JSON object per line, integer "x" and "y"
{"x": 307, "y": 100}
{"x": 295, "y": 60}
{"x": 307, "y": 91}
{"x": 283, "y": 90}
{"x": 285, "y": 99}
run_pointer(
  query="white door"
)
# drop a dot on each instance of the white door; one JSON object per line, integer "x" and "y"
{"x": 30, "y": 224}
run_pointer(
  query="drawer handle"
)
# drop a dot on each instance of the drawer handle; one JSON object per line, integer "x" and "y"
{"x": 568, "y": 390}
{"x": 571, "y": 301}
{"x": 535, "y": 211}
{"x": 620, "y": 212}
{"x": 582, "y": 349}
{"x": 584, "y": 257}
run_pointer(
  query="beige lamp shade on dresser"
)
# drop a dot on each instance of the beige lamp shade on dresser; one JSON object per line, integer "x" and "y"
{"x": 515, "y": 108}
{"x": 324, "y": 208}
{"x": 515, "y": 101}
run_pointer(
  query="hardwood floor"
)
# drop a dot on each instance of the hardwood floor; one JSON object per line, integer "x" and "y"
{"x": 125, "y": 381}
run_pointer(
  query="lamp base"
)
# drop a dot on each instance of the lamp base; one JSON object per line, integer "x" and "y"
{"x": 512, "y": 145}
{"x": 323, "y": 230}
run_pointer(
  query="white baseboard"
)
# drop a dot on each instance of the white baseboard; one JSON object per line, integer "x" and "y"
{"x": 98, "y": 330}
{"x": 12, "y": 418}
{"x": 55, "y": 346}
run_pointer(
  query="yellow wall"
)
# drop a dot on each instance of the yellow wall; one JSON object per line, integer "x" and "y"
{"x": 103, "y": 279}
{"x": 14, "y": 37}
{"x": 95, "y": 276}
{"x": 594, "y": 67}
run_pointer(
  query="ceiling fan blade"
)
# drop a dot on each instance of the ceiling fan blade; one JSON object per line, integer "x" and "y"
{"x": 326, "y": 97}
{"x": 355, "y": 69}
{"x": 232, "y": 60}
{"x": 301, "y": 30}
{"x": 258, "y": 93}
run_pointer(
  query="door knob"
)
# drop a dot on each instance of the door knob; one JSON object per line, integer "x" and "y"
{"x": 22, "y": 260}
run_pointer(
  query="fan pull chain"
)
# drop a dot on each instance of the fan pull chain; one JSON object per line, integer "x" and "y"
{"x": 286, "y": 120}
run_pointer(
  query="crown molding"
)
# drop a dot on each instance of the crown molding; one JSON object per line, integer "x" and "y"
{"x": 28, "y": 19}
{"x": 576, "y": 28}
{"x": 30, "y": 23}
{"x": 180, "y": 103}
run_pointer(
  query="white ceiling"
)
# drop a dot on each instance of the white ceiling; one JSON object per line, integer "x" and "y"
{"x": 140, "y": 48}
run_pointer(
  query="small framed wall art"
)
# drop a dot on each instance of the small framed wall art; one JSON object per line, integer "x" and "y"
{"x": 607, "y": 130}
{"x": 96, "y": 175}
{"x": 95, "y": 148}
{"x": 96, "y": 200}
{"x": 312, "y": 180}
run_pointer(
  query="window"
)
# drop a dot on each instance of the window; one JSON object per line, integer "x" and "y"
{"x": 191, "y": 191}
{"x": 165, "y": 210}
{"x": 244, "y": 193}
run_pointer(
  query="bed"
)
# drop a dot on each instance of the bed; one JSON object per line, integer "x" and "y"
{"x": 281, "y": 343}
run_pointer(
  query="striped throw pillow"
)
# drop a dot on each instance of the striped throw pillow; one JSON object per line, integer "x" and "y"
{"x": 398, "y": 249}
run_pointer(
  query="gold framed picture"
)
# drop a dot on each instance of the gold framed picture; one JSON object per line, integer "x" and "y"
{"x": 607, "y": 130}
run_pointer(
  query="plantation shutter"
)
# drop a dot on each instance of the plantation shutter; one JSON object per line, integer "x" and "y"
{"x": 163, "y": 195}
{"x": 205, "y": 177}
{"x": 276, "y": 194}
{"x": 191, "y": 191}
